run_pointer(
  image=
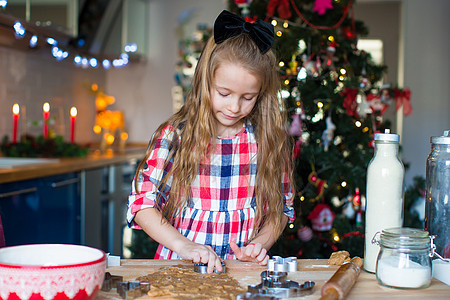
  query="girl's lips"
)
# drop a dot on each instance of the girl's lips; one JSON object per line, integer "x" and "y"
{"x": 229, "y": 117}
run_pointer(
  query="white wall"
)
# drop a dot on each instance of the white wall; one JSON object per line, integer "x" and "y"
{"x": 143, "y": 91}
{"x": 427, "y": 73}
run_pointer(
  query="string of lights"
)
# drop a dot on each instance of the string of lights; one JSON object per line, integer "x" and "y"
{"x": 33, "y": 37}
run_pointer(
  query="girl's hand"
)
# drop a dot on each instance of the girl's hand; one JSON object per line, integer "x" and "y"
{"x": 252, "y": 252}
{"x": 200, "y": 254}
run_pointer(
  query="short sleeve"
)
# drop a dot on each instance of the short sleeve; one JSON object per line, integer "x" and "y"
{"x": 288, "y": 198}
{"x": 149, "y": 191}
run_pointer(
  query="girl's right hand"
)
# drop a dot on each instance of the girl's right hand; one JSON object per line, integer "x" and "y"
{"x": 200, "y": 254}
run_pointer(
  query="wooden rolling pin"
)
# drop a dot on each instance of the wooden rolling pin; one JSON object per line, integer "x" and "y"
{"x": 342, "y": 281}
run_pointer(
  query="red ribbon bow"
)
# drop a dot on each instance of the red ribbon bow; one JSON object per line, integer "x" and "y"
{"x": 403, "y": 98}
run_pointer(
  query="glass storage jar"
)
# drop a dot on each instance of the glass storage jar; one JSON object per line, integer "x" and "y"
{"x": 404, "y": 260}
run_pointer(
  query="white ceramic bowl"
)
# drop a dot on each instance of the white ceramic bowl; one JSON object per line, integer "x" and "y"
{"x": 51, "y": 271}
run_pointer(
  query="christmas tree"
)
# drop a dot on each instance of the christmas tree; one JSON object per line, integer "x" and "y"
{"x": 335, "y": 98}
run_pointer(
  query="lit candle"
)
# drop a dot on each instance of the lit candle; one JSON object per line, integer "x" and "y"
{"x": 15, "y": 110}
{"x": 46, "y": 115}
{"x": 73, "y": 117}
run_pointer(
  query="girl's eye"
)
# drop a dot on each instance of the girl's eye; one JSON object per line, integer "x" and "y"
{"x": 248, "y": 99}
{"x": 222, "y": 94}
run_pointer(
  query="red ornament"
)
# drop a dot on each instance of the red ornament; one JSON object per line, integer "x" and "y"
{"x": 357, "y": 198}
{"x": 348, "y": 33}
{"x": 350, "y": 103}
{"x": 283, "y": 9}
{"x": 321, "y": 217}
{"x": 297, "y": 148}
{"x": 305, "y": 234}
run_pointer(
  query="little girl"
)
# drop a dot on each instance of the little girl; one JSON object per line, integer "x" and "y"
{"x": 215, "y": 182}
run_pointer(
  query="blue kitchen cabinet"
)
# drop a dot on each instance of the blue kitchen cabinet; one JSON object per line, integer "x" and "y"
{"x": 42, "y": 210}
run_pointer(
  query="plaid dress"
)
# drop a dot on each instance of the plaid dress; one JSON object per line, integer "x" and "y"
{"x": 222, "y": 207}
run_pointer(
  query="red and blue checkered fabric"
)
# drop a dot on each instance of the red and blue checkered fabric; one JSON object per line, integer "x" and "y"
{"x": 222, "y": 207}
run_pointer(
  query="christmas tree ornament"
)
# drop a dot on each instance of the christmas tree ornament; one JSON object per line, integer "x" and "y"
{"x": 293, "y": 65}
{"x": 403, "y": 98}
{"x": 363, "y": 106}
{"x": 350, "y": 104}
{"x": 297, "y": 148}
{"x": 356, "y": 199}
{"x": 376, "y": 105}
{"x": 328, "y": 133}
{"x": 305, "y": 234}
{"x": 385, "y": 94}
{"x": 320, "y": 184}
{"x": 358, "y": 220}
{"x": 308, "y": 68}
{"x": 296, "y": 125}
{"x": 321, "y": 6}
{"x": 348, "y": 210}
{"x": 329, "y": 59}
{"x": 348, "y": 32}
{"x": 321, "y": 217}
{"x": 282, "y": 7}
{"x": 336, "y": 201}
{"x": 244, "y": 6}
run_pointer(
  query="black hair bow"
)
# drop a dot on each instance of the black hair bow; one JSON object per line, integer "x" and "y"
{"x": 229, "y": 25}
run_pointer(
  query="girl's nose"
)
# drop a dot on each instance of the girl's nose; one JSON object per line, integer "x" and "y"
{"x": 234, "y": 105}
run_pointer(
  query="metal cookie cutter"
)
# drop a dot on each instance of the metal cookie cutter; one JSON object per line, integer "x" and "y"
{"x": 250, "y": 296}
{"x": 279, "y": 264}
{"x": 203, "y": 268}
{"x": 276, "y": 285}
{"x": 132, "y": 289}
{"x": 110, "y": 281}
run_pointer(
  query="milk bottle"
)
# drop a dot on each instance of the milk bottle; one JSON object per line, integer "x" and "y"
{"x": 384, "y": 193}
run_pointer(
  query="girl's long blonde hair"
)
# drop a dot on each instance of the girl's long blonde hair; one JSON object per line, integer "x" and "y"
{"x": 197, "y": 128}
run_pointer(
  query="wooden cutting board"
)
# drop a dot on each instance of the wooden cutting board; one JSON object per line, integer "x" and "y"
{"x": 316, "y": 270}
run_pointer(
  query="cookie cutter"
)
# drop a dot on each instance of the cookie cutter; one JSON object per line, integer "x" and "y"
{"x": 110, "y": 281}
{"x": 132, "y": 289}
{"x": 250, "y": 296}
{"x": 279, "y": 264}
{"x": 203, "y": 268}
{"x": 276, "y": 285}
{"x": 126, "y": 289}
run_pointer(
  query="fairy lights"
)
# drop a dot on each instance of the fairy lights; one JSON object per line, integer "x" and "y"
{"x": 59, "y": 53}
{"x": 33, "y": 41}
{"x": 19, "y": 30}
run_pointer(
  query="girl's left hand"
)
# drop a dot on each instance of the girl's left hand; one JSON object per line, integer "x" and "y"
{"x": 252, "y": 252}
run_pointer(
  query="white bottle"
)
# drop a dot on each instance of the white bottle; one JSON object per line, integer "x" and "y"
{"x": 384, "y": 193}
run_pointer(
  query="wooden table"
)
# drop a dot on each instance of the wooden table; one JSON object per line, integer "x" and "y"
{"x": 316, "y": 270}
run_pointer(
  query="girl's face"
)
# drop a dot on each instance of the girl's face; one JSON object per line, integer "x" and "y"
{"x": 233, "y": 95}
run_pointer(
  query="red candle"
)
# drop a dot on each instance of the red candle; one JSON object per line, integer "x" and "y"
{"x": 46, "y": 115}
{"x": 15, "y": 110}
{"x": 73, "y": 117}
